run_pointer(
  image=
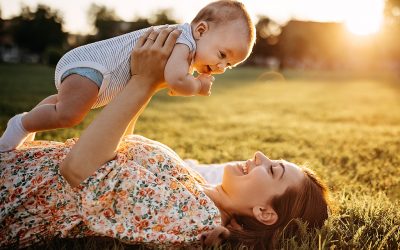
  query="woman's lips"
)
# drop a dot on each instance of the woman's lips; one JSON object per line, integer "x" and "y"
{"x": 249, "y": 164}
{"x": 240, "y": 167}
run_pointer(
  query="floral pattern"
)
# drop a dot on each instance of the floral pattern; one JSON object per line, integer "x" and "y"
{"x": 145, "y": 195}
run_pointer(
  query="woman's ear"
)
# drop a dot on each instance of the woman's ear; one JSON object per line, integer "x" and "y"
{"x": 200, "y": 29}
{"x": 265, "y": 214}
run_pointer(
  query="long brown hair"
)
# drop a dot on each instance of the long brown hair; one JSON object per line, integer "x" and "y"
{"x": 307, "y": 202}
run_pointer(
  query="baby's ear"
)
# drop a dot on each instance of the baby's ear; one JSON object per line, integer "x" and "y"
{"x": 215, "y": 237}
{"x": 200, "y": 28}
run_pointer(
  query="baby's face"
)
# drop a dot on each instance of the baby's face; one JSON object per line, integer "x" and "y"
{"x": 220, "y": 48}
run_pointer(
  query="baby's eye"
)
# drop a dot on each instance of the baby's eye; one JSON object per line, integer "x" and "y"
{"x": 222, "y": 54}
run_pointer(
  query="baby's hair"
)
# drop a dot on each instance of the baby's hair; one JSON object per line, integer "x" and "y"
{"x": 223, "y": 11}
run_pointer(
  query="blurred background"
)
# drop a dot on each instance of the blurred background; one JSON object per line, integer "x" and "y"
{"x": 309, "y": 34}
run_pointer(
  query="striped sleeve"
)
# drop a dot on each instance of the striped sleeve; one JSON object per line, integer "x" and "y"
{"x": 186, "y": 37}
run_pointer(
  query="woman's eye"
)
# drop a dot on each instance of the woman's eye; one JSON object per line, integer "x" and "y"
{"x": 272, "y": 170}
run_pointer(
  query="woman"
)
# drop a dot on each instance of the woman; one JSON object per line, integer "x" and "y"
{"x": 138, "y": 190}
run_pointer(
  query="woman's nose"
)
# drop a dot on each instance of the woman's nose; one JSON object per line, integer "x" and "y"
{"x": 261, "y": 158}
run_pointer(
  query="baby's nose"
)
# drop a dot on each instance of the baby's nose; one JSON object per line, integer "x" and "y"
{"x": 221, "y": 68}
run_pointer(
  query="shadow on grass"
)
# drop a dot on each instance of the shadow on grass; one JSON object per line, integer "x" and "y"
{"x": 86, "y": 243}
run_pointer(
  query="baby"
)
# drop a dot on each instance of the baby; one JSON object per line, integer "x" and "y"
{"x": 220, "y": 36}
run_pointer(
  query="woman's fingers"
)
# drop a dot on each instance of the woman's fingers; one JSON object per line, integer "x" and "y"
{"x": 170, "y": 42}
{"x": 140, "y": 42}
{"x": 163, "y": 38}
{"x": 151, "y": 38}
{"x": 164, "y": 32}
{"x": 151, "y": 52}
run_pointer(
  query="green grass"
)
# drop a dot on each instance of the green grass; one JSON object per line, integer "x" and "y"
{"x": 344, "y": 126}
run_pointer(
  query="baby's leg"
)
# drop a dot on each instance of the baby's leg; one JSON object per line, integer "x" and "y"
{"x": 48, "y": 100}
{"x": 76, "y": 96}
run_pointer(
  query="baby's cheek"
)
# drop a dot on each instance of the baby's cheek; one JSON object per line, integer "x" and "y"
{"x": 196, "y": 60}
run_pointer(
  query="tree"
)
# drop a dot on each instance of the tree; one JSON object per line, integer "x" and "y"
{"x": 108, "y": 24}
{"x": 267, "y": 37}
{"x": 391, "y": 31}
{"x": 36, "y": 31}
{"x": 1, "y": 26}
{"x": 163, "y": 17}
{"x": 392, "y": 11}
{"x": 104, "y": 20}
{"x": 140, "y": 23}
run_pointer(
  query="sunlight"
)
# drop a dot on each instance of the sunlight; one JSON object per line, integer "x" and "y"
{"x": 365, "y": 19}
{"x": 364, "y": 25}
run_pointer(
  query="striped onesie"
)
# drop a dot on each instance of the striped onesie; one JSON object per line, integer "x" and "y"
{"x": 111, "y": 57}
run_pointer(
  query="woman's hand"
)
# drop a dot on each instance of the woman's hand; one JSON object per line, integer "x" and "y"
{"x": 150, "y": 55}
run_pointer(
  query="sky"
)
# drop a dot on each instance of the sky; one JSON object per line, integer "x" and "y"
{"x": 359, "y": 15}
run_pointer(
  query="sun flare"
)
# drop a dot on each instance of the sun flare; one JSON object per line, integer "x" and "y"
{"x": 363, "y": 27}
{"x": 365, "y": 19}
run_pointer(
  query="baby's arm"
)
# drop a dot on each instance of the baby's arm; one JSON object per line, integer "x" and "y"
{"x": 178, "y": 78}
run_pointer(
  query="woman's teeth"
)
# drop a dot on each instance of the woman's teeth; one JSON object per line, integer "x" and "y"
{"x": 244, "y": 168}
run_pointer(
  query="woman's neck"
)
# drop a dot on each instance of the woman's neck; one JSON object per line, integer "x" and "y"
{"x": 217, "y": 195}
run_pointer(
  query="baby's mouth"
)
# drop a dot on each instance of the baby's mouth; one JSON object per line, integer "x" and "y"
{"x": 208, "y": 69}
{"x": 205, "y": 70}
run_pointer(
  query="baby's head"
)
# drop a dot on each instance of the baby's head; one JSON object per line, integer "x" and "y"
{"x": 224, "y": 35}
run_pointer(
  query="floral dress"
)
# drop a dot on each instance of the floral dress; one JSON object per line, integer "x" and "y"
{"x": 145, "y": 195}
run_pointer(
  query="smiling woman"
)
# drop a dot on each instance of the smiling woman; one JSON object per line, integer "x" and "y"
{"x": 266, "y": 198}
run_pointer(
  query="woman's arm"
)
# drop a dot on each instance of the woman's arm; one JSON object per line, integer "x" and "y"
{"x": 99, "y": 142}
{"x": 131, "y": 126}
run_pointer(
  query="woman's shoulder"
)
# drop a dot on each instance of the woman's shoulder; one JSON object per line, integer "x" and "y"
{"x": 148, "y": 145}
{"x": 137, "y": 138}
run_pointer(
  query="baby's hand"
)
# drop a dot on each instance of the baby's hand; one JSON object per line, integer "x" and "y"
{"x": 206, "y": 83}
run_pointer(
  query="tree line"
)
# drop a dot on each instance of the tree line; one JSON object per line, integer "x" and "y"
{"x": 296, "y": 44}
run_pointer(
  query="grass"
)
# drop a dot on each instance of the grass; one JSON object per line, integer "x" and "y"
{"x": 344, "y": 126}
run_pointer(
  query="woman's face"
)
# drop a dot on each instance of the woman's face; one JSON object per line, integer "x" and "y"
{"x": 260, "y": 182}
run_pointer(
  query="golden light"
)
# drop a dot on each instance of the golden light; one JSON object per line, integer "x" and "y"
{"x": 366, "y": 18}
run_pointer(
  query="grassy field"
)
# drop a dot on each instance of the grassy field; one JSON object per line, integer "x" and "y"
{"x": 345, "y": 127}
